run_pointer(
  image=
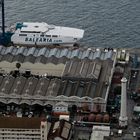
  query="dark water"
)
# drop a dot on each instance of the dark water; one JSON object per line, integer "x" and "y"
{"x": 107, "y": 23}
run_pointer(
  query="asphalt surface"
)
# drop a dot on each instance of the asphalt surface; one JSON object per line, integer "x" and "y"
{"x": 133, "y": 85}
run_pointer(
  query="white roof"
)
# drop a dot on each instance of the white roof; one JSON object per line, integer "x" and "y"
{"x": 64, "y": 117}
{"x": 101, "y": 128}
{"x": 52, "y": 30}
{"x": 98, "y": 132}
{"x": 35, "y": 26}
{"x": 67, "y": 31}
{"x": 136, "y": 108}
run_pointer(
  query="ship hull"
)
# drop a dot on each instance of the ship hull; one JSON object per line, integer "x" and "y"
{"x": 43, "y": 41}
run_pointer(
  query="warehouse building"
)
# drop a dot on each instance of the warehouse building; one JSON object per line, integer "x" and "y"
{"x": 67, "y": 75}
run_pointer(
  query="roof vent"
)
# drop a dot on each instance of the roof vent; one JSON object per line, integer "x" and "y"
{"x": 15, "y": 90}
{"x": 6, "y": 82}
{"x": 39, "y": 91}
{"x": 3, "y": 89}
{"x": 19, "y": 82}
{"x": 30, "y": 83}
{"x": 41, "y": 83}
{"x": 27, "y": 90}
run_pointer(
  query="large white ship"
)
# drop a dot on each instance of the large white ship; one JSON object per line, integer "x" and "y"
{"x": 41, "y": 34}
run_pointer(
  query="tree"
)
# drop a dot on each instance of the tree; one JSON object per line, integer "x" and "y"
{"x": 18, "y": 65}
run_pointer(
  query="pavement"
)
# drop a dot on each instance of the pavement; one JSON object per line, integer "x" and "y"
{"x": 134, "y": 84}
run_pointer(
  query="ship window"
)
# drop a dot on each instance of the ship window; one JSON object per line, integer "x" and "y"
{"x": 48, "y": 35}
{"x": 41, "y": 35}
{"x": 30, "y": 31}
{"x": 22, "y": 34}
{"x": 36, "y": 26}
{"x": 54, "y": 36}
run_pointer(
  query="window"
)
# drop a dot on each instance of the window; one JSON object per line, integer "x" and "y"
{"x": 54, "y": 36}
{"x": 22, "y": 34}
{"x": 30, "y": 32}
{"x": 41, "y": 35}
{"x": 48, "y": 35}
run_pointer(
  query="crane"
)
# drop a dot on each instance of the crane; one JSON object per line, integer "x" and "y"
{"x": 3, "y": 22}
{"x": 4, "y": 37}
{"x": 3, "y": 19}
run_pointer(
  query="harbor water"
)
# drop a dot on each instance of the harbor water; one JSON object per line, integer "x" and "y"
{"x": 107, "y": 23}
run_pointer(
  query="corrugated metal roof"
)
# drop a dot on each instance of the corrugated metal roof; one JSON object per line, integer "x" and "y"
{"x": 82, "y": 69}
{"x": 85, "y": 72}
{"x": 1, "y": 48}
{"x": 20, "y": 50}
{"x": 30, "y": 86}
{"x": 7, "y": 84}
{"x": 22, "y": 90}
{"x": 64, "y": 52}
{"x": 42, "y": 86}
{"x": 68, "y": 53}
{"x": 30, "y": 51}
{"x": 18, "y": 85}
{"x": 42, "y": 52}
